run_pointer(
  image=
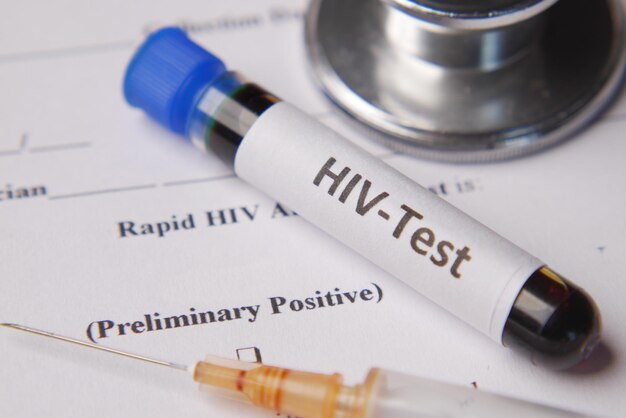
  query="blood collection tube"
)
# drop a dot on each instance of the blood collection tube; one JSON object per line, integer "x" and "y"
{"x": 447, "y": 256}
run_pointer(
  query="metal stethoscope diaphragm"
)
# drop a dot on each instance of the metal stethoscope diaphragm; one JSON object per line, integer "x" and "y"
{"x": 469, "y": 80}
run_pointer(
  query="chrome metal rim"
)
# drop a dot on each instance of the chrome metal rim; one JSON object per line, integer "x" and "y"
{"x": 471, "y": 114}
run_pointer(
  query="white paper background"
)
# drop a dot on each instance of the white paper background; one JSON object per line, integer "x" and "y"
{"x": 64, "y": 124}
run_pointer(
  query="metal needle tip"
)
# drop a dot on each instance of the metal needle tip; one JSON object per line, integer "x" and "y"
{"x": 96, "y": 346}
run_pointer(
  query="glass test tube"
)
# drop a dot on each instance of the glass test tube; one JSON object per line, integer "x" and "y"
{"x": 449, "y": 257}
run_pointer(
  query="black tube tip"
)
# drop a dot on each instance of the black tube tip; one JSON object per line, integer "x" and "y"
{"x": 553, "y": 322}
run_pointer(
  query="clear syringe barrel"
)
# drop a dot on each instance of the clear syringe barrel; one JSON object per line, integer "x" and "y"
{"x": 399, "y": 395}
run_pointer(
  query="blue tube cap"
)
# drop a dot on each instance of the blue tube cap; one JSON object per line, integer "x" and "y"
{"x": 166, "y": 75}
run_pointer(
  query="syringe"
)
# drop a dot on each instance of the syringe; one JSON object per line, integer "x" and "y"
{"x": 384, "y": 394}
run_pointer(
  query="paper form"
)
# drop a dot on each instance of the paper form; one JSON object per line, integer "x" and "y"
{"x": 84, "y": 165}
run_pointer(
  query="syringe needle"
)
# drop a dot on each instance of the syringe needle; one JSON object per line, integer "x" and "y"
{"x": 97, "y": 347}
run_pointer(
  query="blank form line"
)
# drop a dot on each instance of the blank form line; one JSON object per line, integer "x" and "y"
{"x": 103, "y": 191}
{"x": 23, "y": 142}
{"x": 61, "y": 147}
{"x": 65, "y": 52}
{"x": 200, "y": 180}
{"x": 8, "y": 152}
{"x": 44, "y": 148}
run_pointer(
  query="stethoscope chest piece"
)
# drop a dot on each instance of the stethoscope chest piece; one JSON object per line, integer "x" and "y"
{"x": 463, "y": 80}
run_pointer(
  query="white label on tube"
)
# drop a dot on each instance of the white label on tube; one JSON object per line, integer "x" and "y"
{"x": 407, "y": 230}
